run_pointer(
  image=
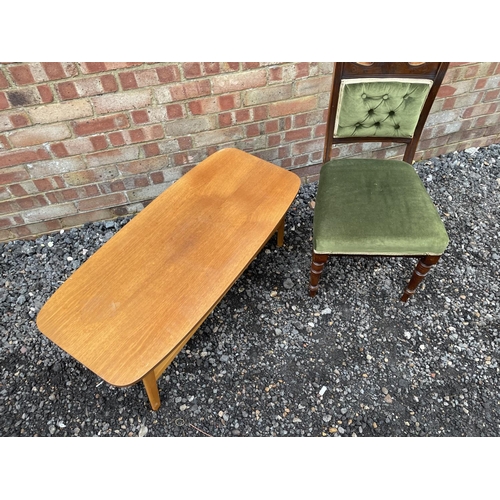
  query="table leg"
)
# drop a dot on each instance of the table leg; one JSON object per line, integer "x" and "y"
{"x": 151, "y": 387}
{"x": 281, "y": 232}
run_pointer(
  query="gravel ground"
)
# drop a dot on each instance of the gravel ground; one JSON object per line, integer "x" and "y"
{"x": 271, "y": 361}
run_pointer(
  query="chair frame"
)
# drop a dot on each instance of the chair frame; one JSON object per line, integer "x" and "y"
{"x": 434, "y": 71}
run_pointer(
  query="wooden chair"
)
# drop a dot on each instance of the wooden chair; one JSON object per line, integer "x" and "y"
{"x": 377, "y": 207}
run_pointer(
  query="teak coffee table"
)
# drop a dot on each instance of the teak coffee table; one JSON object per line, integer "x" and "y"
{"x": 133, "y": 305}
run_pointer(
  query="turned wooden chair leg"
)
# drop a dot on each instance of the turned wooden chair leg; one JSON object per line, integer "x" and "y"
{"x": 422, "y": 268}
{"x": 318, "y": 263}
{"x": 151, "y": 387}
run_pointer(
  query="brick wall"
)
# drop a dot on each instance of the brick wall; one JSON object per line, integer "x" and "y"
{"x": 82, "y": 142}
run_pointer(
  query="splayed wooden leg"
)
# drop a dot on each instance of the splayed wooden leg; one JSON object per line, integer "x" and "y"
{"x": 280, "y": 230}
{"x": 151, "y": 387}
{"x": 422, "y": 268}
{"x": 318, "y": 263}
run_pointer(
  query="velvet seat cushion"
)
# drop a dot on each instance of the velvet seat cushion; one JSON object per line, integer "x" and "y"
{"x": 375, "y": 207}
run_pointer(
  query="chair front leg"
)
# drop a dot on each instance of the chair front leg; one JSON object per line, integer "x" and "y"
{"x": 422, "y": 268}
{"x": 317, "y": 266}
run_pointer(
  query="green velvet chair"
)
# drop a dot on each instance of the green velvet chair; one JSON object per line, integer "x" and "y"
{"x": 373, "y": 207}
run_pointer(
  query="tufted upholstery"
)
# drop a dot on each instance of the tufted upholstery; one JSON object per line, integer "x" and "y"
{"x": 381, "y": 207}
{"x": 380, "y": 107}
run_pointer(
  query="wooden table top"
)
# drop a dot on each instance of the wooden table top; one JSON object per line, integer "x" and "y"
{"x": 132, "y": 302}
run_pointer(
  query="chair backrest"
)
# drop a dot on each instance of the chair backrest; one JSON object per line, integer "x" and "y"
{"x": 381, "y": 102}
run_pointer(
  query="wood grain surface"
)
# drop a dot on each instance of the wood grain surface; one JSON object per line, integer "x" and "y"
{"x": 125, "y": 309}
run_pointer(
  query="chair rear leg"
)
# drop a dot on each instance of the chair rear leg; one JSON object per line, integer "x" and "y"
{"x": 318, "y": 263}
{"x": 422, "y": 268}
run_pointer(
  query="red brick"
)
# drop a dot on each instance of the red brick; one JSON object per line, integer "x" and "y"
{"x": 174, "y": 111}
{"x": 225, "y": 119}
{"x": 260, "y": 113}
{"x": 19, "y": 120}
{"x": 108, "y": 83}
{"x": 300, "y": 160}
{"x": 203, "y": 106}
{"x": 251, "y": 65}
{"x": 67, "y": 90}
{"x": 93, "y": 67}
{"x": 190, "y": 90}
{"x": 185, "y": 143}
{"x": 273, "y": 140}
{"x": 446, "y": 91}
{"x": 8, "y": 207}
{"x": 117, "y": 185}
{"x": 471, "y": 71}
{"x": 17, "y": 190}
{"x": 180, "y": 159}
{"x": 491, "y": 95}
{"x": 104, "y": 124}
{"x": 136, "y": 135}
{"x": 211, "y": 68}
{"x": 54, "y": 70}
{"x": 157, "y": 177}
{"x": 227, "y": 102}
{"x": 276, "y": 74}
{"x": 25, "y": 156}
{"x": 69, "y": 194}
{"x": 295, "y": 135}
{"x": 59, "y": 150}
{"x": 22, "y": 74}
{"x": 151, "y": 149}
{"x": 285, "y": 123}
{"x": 140, "y": 116}
{"x": 320, "y": 130}
{"x": 43, "y": 184}
{"x": 6, "y": 222}
{"x": 99, "y": 142}
{"x": 272, "y": 126}
{"x": 168, "y": 74}
{"x": 192, "y": 70}
{"x": 141, "y": 181}
{"x": 45, "y": 93}
{"x": 4, "y": 104}
{"x": 32, "y": 201}
{"x": 109, "y": 200}
{"x": 116, "y": 139}
{"x": 4, "y": 144}
{"x": 4, "y": 84}
{"x": 231, "y": 66}
{"x": 301, "y": 69}
{"x": 128, "y": 81}
{"x": 252, "y": 130}
{"x": 242, "y": 115}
